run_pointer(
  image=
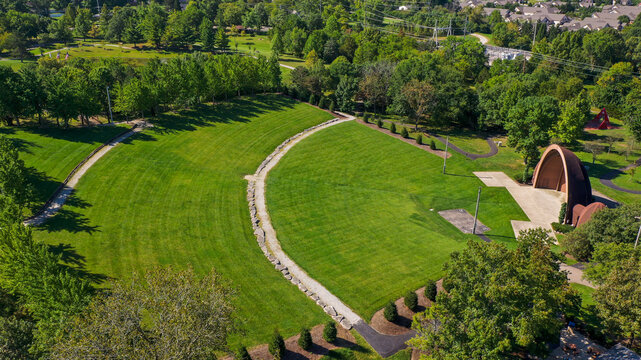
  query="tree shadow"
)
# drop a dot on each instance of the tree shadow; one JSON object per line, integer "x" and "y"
{"x": 318, "y": 349}
{"x": 237, "y": 110}
{"x": 76, "y": 263}
{"x": 69, "y": 220}
{"x": 89, "y": 135}
{"x": 23, "y": 146}
{"x": 43, "y": 187}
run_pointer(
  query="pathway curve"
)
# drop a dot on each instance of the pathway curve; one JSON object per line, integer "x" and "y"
{"x": 53, "y": 205}
{"x": 607, "y": 178}
{"x": 484, "y": 39}
{"x": 472, "y": 156}
{"x": 384, "y": 345}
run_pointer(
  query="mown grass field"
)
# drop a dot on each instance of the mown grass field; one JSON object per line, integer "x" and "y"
{"x": 357, "y": 209}
{"x": 262, "y": 45}
{"x": 175, "y": 194}
{"x": 51, "y": 154}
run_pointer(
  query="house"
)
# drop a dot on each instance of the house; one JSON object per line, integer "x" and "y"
{"x": 505, "y": 13}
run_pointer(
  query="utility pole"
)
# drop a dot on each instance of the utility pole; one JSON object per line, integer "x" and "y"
{"x": 476, "y": 213}
{"x": 636, "y": 242}
{"x": 435, "y": 32}
{"x": 447, "y": 143}
{"x": 111, "y": 116}
{"x": 449, "y": 28}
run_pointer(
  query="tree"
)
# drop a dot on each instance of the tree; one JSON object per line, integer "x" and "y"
{"x": 132, "y": 98}
{"x": 305, "y": 339}
{"x": 14, "y": 181}
{"x": 604, "y": 47}
{"x": 243, "y": 354}
{"x": 345, "y": 91}
{"x": 593, "y": 148}
{"x": 146, "y": 317}
{"x": 618, "y": 226}
{"x": 177, "y": 32}
{"x": 222, "y": 41}
{"x": 575, "y": 113}
{"x": 277, "y": 346}
{"x": 431, "y": 290}
{"x": 277, "y": 43}
{"x": 528, "y": 126}
{"x": 498, "y": 301}
{"x": 329, "y": 332}
{"x": 295, "y": 41}
{"x": 207, "y": 35}
{"x": 390, "y": 313}
{"x": 154, "y": 22}
{"x": 420, "y": 98}
{"x": 256, "y": 17}
{"x": 103, "y": 22}
{"x": 83, "y": 23}
{"x": 59, "y": 30}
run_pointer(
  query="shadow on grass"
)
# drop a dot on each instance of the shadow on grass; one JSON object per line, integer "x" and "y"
{"x": 317, "y": 349}
{"x": 89, "y": 135}
{"x": 237, "y": 110}
{"x": 76, "y": 263}
{"x": 69, "y": 220}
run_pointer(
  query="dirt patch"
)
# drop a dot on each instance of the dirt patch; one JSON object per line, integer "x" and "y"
{"x": 403, "y": 323}
{"x": 294, "y": 352}
{"x": 439, "y": 153}
{"x": 463, "y": 221}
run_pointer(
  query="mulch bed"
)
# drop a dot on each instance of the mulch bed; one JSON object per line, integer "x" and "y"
{"x": 438, "y": 153}
{"x": 403, "y": 323}
{"x": 318, "y": 350}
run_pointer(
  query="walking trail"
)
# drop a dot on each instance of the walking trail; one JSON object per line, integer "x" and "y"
{"x": 607, "y": 178}
{"x": 484, "y": 39}
{"x": 384, "y": 345}
{"x": 493, "y": 149}
{"x": 53, "y": 205}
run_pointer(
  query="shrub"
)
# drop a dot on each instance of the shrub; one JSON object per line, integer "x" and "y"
{"x": 392, "y": 128}
{"x": 329, "y": 332}
{"x": 562, "y": 212}
{"x": 432, "y": 144}
{"x": 242, "y": 354}
{"x": 366, "y": 117}
{"x": 379, "y": 123}
{"x": 404, "y": 132}
{"x": 562, "y": 228}
{"x": 391, "y": 313}
{"x": 277, "y": 346}
{"x": 411, "y": 300}
{"x": 577, "y": 245}
{"x": 322, "y": 102}
{"x": 305, "y": 339}
{"x": 430, "y": 290}
{"x": 312, "y": 99}
{"x": 331, "y": 106}
{"x": 419, "y": 139}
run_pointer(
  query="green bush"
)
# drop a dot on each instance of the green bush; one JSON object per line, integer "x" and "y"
{"x": 430, "y": 290}
{"x": 562, "y": 228}
{"x": 432, "y": 144}
{"x": 322, "y": 102}
{"x": 366, "y": 117}
{"x": 331, "y": 106}
{"x": 404, "y": 132}
{"x": 277, "y": 346}
{"x": 242, "y": 354}
{"x": 390, "y": 313}
{"x": 577, "y": 245}
{"x": 562, "y": 212}
{"x": 419, "y": 139}
{"x": 411, "y": 300}
{"x": 305, "y": 339}
{"x": 312, "y": 99}
{"x": 379, "y": 123}
{"x": 329, "y": 332}
{"x": 392, "y": 128}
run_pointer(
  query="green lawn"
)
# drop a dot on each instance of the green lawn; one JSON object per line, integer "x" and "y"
{"x": 51, "y": 154}
{"x": 175, "y": 194}
{"x": 262, "y": 45}
{"x": 93, "y": 50}
{"x": 357, "y": 209}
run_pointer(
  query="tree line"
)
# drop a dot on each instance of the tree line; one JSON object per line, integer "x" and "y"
{"x": 77, "y": 89}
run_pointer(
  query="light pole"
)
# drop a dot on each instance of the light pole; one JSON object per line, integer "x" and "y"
{"x": 636, "y": 242}
{"x": 447, "y": 142}
{"x": 476, "y": 213}
{"x": 111, "y": 116}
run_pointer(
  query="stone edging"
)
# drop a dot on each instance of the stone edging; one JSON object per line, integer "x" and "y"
{"x": 264, "y": 245}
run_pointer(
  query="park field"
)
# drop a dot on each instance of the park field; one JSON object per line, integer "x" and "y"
{"x": 175, "y": 194}
{"x": 357, "y": 209}
{"x": 50, "y": 154}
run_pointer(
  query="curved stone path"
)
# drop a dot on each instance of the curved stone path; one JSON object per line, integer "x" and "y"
{"x": 384, "y": 345}
{"x": 472, "y": 156}
{"x": 53, "y": 205}
{"x": 607, "y": 178}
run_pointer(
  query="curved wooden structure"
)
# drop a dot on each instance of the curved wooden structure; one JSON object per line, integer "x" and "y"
{"x": 583, "y": 214}
{"x": 561, "y": 170}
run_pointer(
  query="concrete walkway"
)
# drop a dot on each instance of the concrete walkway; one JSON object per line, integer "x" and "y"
{"x": 542, "y": 206}
{"x": 384, "y": 345}
{"x": 57, "y": 200}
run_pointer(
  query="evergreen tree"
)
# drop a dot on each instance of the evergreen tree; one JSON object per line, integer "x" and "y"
{"x": 207, "y": 35}
{"x": 277, "y": 346}
{"x": 222, "y": 40}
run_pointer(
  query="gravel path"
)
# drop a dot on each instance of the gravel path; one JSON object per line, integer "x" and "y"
{"x": 484, "y": 39}
{"x": 472, "y": 156}
{"x": 385, "y": 345}
{"x": 58, "y": 199}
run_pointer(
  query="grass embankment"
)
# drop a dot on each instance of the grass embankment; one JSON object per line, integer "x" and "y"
{"x": 51, "y": 154}
{"x": 262, "y": 45}
{"x": 357, "y": 209}
{"x": 175, "y": 194}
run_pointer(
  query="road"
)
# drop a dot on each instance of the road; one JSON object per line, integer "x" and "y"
{"x": 484, "y": 39}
